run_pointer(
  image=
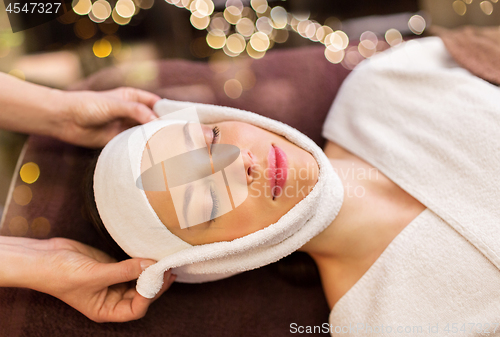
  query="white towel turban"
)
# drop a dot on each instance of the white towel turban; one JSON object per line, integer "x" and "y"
{"x": 134, "y": 225}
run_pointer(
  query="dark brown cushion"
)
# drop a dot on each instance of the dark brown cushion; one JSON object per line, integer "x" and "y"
{"x": 474, "y": 48}
{"x": 294, "y": 86}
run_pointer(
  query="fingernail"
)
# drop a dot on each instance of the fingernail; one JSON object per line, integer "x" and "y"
{"x": 152, "y": 118}
{"x": 146, "y": 263}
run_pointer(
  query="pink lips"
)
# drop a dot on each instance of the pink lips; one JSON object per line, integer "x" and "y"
{"x": 278, "y": 170}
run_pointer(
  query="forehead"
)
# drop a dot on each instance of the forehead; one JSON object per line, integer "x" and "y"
{"x": 167, "y": 142}
{"x": 195, "y": 179}
{"x": 170, "y": 141}
{"x": 161, "y": 199}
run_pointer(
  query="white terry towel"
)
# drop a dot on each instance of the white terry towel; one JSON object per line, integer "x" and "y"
{"x": 433, "y": 129}
{"x": 133, "y": 224}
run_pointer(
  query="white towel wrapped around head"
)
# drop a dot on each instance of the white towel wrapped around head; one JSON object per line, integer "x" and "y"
{"x": 134, "y": 225}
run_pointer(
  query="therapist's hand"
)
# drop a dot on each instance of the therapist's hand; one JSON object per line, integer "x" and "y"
{"x": 84, "y": 118}
{"x": 91, "y": 281}
{"x": 92, "y": 119}
{"x": 84, "y": 277}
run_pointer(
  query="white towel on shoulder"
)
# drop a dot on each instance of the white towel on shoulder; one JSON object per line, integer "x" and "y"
{"x": 433, "y": 129}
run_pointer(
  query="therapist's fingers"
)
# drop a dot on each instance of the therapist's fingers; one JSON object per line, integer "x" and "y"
{"x": 124, "y": 271}
{"x": 128, "y": 270}
{"x": 133, "y": 103}
{"x": 168, "y": 279}
{"x": 131, "y": 305}
{"x": 140, "y": 303}
{"x": 134, "y": 111}
{"x": 135, "y": 95}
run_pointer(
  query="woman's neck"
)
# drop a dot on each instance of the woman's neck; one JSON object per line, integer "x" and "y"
{"x": 353, "y": 233}
{"x": 374, "y": 211}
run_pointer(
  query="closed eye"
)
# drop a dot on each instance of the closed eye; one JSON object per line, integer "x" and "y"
{"x": 215, "y": 136}
{"x": 213, "y": 194}
{"x": 215, "y": 207}
{"x": 216, "y": 132}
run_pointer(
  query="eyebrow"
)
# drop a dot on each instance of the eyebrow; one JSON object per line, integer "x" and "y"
{"x": 187, "y": 137}
{"x": 188, "y": 195}
{"x": 187, "y": 199}
{"x": 147, "y": 147}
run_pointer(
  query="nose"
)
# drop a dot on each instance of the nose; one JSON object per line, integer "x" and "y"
{"x": 249, "y": 161}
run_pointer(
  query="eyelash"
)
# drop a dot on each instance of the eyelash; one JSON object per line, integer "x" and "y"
{"x": 216, "y": 133}
{"x": 215, "y": 200}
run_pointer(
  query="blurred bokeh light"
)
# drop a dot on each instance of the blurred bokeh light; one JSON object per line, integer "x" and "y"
{"x": 30, "y": 172}
{"x": 102, "y": 33}
{"x": 102, "y": 48}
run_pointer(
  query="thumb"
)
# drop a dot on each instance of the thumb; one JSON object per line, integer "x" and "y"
{"x": 125, "y": 271}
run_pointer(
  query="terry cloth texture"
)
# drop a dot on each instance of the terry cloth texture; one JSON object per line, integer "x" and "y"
{"x": 295, "y": 86}
{"x": 132, "y": 222}
{"x": 432, "y": 128}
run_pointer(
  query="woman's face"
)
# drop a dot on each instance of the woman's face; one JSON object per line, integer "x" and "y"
{"x": 279, "y": 174}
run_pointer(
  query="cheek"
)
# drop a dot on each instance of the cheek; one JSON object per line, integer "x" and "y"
{"x": 255, "y": 191}
{"x": 307, "y": 170}
{"x": 248, "y": 212}
{"x": 251, "y": 216}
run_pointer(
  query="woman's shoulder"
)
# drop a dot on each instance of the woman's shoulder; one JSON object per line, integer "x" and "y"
{"x": 382, "y": 210}
{"x": 409, "y": 56}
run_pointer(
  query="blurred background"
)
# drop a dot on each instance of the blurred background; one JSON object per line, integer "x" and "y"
{"x": 95, "y": 34}
{"x": 100, "y": 33}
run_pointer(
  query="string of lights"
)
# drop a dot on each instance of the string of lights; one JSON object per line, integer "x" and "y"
{"x": 235, "y": 27}
{"x": 240, "y": 29}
